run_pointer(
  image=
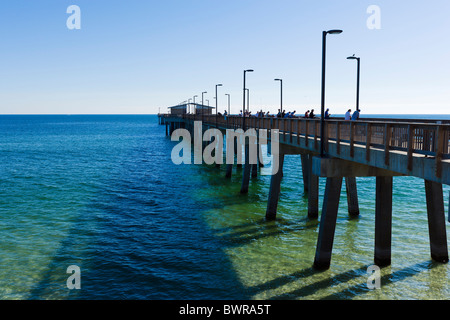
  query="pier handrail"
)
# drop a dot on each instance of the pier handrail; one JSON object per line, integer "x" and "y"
{"x": 412, "y": 138}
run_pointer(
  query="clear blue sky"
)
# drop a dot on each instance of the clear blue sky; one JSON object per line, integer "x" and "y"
{"x": 138, "y": 56}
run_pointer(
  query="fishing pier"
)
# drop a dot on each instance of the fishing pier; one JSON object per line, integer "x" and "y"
{"x": 381, "y": 148}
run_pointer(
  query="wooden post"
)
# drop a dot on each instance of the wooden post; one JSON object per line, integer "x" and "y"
{"x": 383, "y": 221}
{"x": 274, "y": 192}
{"x": 338, "y": 137}
{"x": 387, "y": 142}
{"x": 316, "y": 144}
{"x": 306, "y": 132}
{"x": 410, "y": 146}
{"x": 327, "y": 227}
{"x": 352, "y": 139}
{"x": 291, "y": 130}
{"x": 436, "y": 221}
{"x": 439, "y": 149}
{"x": 352, "y": 196}
{"x": 368, "y": 140}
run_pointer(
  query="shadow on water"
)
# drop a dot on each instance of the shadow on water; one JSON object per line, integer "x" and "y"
{"x": 52, "y": 284}
{"x": 141, "y": 237}
{"x": 322, "y": 284}
{"x": 346, "y": 294}
{"x": 248, "y": 232}
{"x": 386, "y": 280}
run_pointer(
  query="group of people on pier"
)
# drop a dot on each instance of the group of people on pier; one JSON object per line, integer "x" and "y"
{"x": 308, "y": 114}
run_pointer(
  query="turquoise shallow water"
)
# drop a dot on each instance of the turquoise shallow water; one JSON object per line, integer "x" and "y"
{"x": 101, "y": 192}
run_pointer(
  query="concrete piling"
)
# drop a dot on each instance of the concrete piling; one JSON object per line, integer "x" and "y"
{"x": 383, "y": 221}
{"x": 305, "y": 172}
{"x": 247, "y": 170}
{"x": 352, "y": 196}
{"x": 327, "y": 227}
{"x": 229, "y": 171}
{"x": 274, "y": 191}
{"x": 313, "y": 191}
{"x": 436, "y": 221}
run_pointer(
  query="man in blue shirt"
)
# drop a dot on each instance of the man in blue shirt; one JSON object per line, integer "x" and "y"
{"x": 355, "y": 115}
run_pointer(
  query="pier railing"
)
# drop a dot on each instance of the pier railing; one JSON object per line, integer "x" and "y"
{"x": 412, "y": 138}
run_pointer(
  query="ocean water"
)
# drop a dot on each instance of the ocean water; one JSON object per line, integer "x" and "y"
{"x": 101, "y": 193}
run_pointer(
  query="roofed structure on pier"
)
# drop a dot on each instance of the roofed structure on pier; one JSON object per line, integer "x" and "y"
{"x": 192, "y": 108}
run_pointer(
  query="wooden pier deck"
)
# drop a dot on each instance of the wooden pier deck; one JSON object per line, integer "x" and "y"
{"x": 381, "y": 148}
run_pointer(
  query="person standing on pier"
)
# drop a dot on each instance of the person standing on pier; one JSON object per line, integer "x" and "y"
{"x": 307, "y": 114}
{"x": 311, "y": 114}
{"x": 355, "y": 115}
{"x": 327, "y": 114}
{"x": 348, "y": 115}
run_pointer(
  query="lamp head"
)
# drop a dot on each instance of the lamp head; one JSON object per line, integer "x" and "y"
{"x": 334, "y": 31}
{"x": 249, "y": 70}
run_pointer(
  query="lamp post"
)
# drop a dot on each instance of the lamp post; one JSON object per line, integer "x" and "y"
{"x": 358, "y": 60}
{"x": 228, "y": 95}
{"x": 322, "y": 119}
{"x": 281, "y": 94}
{"x": 243, "y": 105}
{"x": 217, "y": 85}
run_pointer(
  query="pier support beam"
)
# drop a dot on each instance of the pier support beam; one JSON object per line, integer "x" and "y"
{"x": 247, "y": 170}
{"x": 274, "y": 192}
{"x": 254, "y": 170}
{"x": 436, "y": 221}
{"x": 313, "y": 191}
{"x": 236, "y": 151}
{"x": 229, "y": 171}
{"x": 352, "y": 196}
{"x": 305, "y": 172}
{"x": 328, "y": 223}
{"x": 260, "y": 155}
{"x": 383, "y": 221}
